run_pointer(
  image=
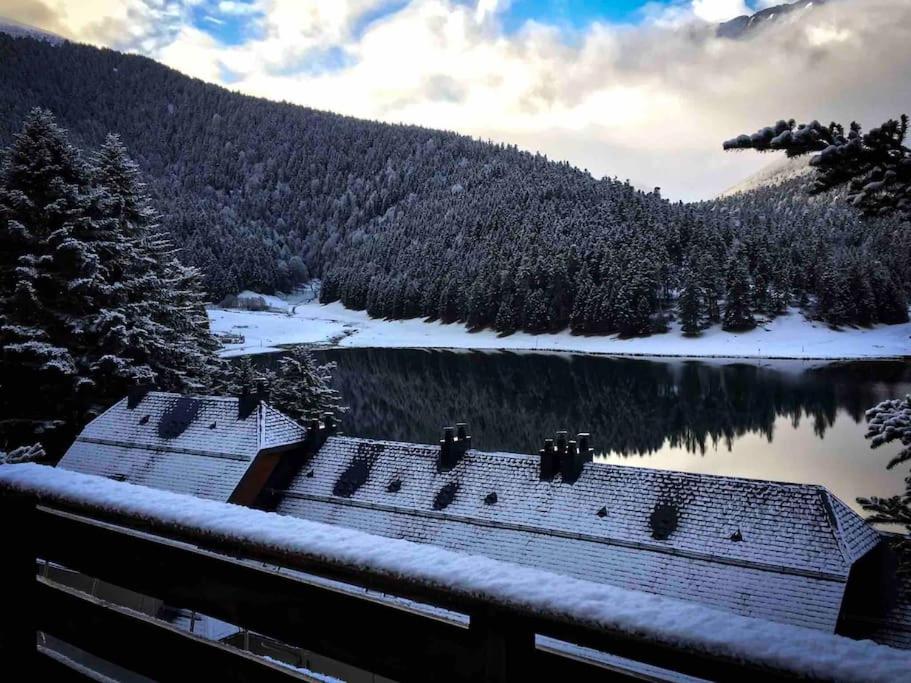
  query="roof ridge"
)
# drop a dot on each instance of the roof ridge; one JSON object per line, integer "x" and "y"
{"x": 609, "y": 465}
{"x": 825, "y": 496}
{"x": 205, "y": 397}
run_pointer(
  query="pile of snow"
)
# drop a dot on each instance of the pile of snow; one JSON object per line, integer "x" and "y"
{"x": 788, "y": 336}
{"x": 688, "y": 626}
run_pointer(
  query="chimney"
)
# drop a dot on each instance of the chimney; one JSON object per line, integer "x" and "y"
{"x": 549, "y": 461}
{"x": 453, "y": 446}
{"x": 136, "y": 393}
{"x": 578, "y": 453}
{"x": 247, "y": 404}
{"x": 561, "y": 445}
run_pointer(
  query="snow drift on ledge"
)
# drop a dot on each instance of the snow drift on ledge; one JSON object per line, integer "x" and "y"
{"x": 687, "y": 625}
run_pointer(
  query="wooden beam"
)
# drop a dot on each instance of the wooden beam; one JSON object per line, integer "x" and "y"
{"x": 348, "y": 626}
{"x": 145, "y": 645}
{"x": 18, "y": 633}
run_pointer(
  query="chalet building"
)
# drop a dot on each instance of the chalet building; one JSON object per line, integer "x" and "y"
{"x": 789, "y": 553}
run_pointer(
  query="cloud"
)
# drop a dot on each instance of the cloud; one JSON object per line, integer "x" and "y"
{"x": 650, "y": 102}
{"x": 719, "y": 10}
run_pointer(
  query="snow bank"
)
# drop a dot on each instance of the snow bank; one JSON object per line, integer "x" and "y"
{"x": 788, "y": 336}
{"x": 687, "y": 625}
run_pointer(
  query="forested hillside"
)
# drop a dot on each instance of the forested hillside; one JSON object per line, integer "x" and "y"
{"x": 405, "y": 221}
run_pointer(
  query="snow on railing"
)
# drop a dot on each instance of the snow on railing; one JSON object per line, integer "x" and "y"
{"x": 684, "y": 625}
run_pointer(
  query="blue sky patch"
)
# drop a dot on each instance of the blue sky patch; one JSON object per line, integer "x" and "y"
{"x": 228, "y": 28}
{"x": 375, "y": 14}
{"x": 576, "y": 14}
{"x": 318, "y": 61}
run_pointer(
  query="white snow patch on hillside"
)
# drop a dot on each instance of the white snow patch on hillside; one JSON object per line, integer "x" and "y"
{"x": 774, "y": 174}
{"x": 788, "y": 336}
{"x": 691, "y": 626}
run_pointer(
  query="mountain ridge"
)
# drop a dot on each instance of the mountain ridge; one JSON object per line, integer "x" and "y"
{"x": 405, "y": 221}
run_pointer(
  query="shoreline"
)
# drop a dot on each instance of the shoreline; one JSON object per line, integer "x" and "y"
{"x": 789, "y": 337}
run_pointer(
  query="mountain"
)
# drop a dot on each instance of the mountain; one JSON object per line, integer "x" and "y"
{"x": 746, "y": 25}
{"x": 405, "y": 221}
{"x": 776, "y": 173}
{"x": 18, "y": 30}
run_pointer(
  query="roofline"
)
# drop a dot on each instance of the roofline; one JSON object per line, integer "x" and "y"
{"x": 681, "y": 473}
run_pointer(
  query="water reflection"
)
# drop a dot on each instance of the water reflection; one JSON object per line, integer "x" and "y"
{"x": 785, "y": 421}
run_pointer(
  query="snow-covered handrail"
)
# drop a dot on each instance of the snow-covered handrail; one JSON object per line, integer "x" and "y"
{"x": 473, "y": 580}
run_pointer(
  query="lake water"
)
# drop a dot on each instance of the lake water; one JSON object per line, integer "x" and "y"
{"x": 786, "y": 421}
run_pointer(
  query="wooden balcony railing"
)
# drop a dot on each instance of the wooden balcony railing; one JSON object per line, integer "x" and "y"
{"x": 251, "y": 587}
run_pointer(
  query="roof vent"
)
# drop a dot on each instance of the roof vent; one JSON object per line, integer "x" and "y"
{"x": 355, "y": 476}
{"x": 663, "y": 520}
{"x": 135, "y": 394}
{"x": 491, "y": 498}
{"x": 602, "y": 513}
{"x": 144, "y": 420}
{"x": 394, "y": 486}
{"x": 178, "y": 417}
{"x": 454, "y": 444}
{"x": 445, "y": 495}
{"x": 737, "y": 536}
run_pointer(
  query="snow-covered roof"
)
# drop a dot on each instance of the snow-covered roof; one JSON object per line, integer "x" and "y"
{"x": 756, "y": 548}
{"x": 200, "y": 445}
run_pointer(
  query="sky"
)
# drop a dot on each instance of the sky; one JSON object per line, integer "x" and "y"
{"x": 625, "y": 88}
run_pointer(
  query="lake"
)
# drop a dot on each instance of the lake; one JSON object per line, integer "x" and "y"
{"x": 787, "y": 421}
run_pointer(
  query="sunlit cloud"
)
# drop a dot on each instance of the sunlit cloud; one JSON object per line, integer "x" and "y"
{"x": 648, "y": 100}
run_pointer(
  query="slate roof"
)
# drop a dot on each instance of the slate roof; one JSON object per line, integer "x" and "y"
{"x": 769, "y": 550}
{"x": 207, "y": 458}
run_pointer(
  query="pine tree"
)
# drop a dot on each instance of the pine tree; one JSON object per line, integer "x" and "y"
{"x": 689, "y": 304}
{"x": 303, "y": 388}
{"x": 48, "y": 275}
{"x": 535, "y": 312}
{"x": 891, "y": 421}
{"x": 737, "y": 314}
{"x": 158, "y": 303}
{"x": 92, "y": 298}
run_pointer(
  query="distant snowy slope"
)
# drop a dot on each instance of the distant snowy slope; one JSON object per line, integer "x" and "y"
{"x": 776, "y": 173}
{"x": 746, "y": 25}
{"x": 17, "y": 30}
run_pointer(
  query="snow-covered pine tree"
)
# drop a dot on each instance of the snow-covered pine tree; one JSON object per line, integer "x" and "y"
{"x": 737, "y": 314}
{"x": 92, "y": 299}
{"x": 244, "y": 376}
{"x": 303, "y": 387}
{"x": 158, "y": 308}
{"x": 32, "y": 453}
{"x": 49, "y": 275}
{"x": 689, "y": 303}
{"x": 891, "y": 421}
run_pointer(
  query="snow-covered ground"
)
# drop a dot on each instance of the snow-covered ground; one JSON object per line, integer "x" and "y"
{"x": 687, "y": 625}
{"x": 789, "y": 336}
